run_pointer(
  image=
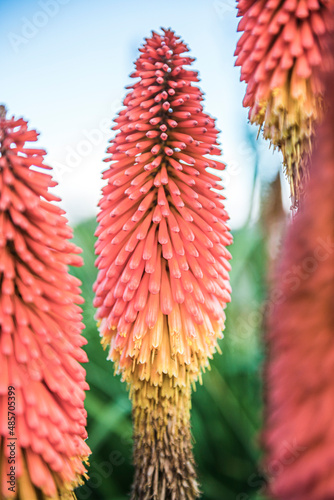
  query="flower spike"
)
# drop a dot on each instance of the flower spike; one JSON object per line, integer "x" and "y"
{"x": 299, "y": 432}
{"x": 42, "y": 384}
{"x": 163, "y": 265}
{"x": 282, "y": 47}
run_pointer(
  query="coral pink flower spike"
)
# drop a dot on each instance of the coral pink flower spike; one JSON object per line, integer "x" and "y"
{"x": 299, "y": 425}
{"x": 282, "y": 47}
{"x": 42, "y": 416}
{"x": 163, "y": 264}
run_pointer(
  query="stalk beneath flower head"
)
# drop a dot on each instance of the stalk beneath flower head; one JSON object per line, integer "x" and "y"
{"x": 163, "y": 281}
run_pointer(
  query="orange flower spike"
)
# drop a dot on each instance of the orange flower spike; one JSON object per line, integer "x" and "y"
{"x": 280, "y": 51}
{"x": 42, "y": 383}
{"x": 163, "y": 265}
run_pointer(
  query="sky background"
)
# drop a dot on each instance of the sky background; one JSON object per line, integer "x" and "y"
{"x": 65, "y": 64}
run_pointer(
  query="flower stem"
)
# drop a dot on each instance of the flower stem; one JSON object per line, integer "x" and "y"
{"x": 163, "y": 457}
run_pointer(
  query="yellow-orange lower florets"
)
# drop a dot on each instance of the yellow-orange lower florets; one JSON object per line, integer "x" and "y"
{"x": 281, "y": 51}
{"x": 163, "y": 264}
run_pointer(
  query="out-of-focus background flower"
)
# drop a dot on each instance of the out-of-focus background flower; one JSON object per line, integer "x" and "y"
{"x": 64, "y": 67}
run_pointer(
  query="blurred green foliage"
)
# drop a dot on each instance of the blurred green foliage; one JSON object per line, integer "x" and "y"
{"x": 227, "y": 409}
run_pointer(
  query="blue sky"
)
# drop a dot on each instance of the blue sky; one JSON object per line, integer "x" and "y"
{"x": 65, "y": 64}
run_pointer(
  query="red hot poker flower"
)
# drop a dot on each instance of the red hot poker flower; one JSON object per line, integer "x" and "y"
{"x": 163, "y": 264}
{"x": 282, "y": 47}
{"x": 41, "y": 382}
{"x": 299, "y": 430}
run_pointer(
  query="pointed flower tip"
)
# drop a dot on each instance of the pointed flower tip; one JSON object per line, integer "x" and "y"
{"x": 162, "y": 257}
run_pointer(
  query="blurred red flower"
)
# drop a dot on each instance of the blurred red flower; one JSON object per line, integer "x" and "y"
{"x": 299, "y": 371}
